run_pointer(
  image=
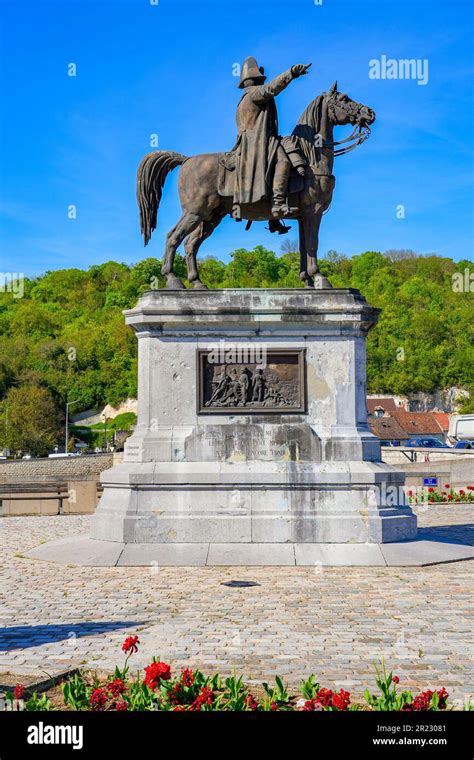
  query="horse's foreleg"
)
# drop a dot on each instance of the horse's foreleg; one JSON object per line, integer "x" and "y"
{"x": 193, "y": 243}
{"x": 312, "y": 222}
{"x": 175, "y": 237}
{"x": 303, "y": 258}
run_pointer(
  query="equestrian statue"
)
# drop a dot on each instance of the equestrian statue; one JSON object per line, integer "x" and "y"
{"x": 264, "y": 177}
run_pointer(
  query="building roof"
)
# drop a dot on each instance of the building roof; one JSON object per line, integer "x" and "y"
{"x": 417, "y": 423}
{"x": 442, "y": 419}
{"x": 387, "y": 404}
{"x": 387, "y": 429}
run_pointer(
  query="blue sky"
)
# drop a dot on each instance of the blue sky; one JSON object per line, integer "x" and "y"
{"x": 168, "y": 69}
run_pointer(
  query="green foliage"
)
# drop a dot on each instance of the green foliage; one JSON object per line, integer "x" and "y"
{"x": 39, "y": 702}
{"x": 310, "y": 687}
{"x": 34, "y": 703}
{"x": 389, "y": 699}
{"x": 30, "y": 420}
{"x": 467, "y": 405}
{"x": 67, "y": 340}
{"x": 124, "y": 421}
{"x": 276, "y": 698}
{"x": 76, "y": 693}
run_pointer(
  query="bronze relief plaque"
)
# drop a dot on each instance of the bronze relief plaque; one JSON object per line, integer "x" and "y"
{"x": 235, "y": 382}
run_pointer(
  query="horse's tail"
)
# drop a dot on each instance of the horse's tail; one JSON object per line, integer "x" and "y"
{"x": 151, "y": 175}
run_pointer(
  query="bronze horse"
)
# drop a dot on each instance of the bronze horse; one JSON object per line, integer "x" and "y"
{"x": 203, "y": 207}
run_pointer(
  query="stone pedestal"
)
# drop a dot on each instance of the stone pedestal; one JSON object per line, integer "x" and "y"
{"x": 289, "y": 460}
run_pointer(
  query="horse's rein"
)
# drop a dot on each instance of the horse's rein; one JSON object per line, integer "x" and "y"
{"x": 359, "y": 134}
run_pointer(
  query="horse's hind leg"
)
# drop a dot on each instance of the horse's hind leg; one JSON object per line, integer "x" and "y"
{"x": 175, "y": 237}
{"x": 193, "y": 243}
{"x": 304, "y": 275}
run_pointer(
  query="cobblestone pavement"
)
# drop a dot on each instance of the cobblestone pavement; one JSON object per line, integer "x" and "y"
{"x": 298, "y": 620}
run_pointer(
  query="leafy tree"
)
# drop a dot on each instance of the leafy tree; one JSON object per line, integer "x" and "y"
{"x": 30, "y": 420}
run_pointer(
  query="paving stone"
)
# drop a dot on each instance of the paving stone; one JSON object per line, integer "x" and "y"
{"x": 251, "y": 555}
{"x": 84, "y": 550}
{"x": 332, "y": 555}
{"x": 163, "y": 555}
{"x": 425, "y": 553}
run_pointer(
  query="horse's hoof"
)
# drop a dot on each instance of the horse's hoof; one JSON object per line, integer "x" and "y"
{"x": 198, "y": 285}
{"x": 174, "y": 283}
{"x": 321, "y": 282}
{"x": 307, "y": 279}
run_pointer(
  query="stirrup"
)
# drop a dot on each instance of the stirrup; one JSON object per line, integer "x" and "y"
{"x": 274, "y": 225}
{"x": 282, "y": 210}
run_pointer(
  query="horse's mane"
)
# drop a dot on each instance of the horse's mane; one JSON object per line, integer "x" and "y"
{"x": 308, "y": 126}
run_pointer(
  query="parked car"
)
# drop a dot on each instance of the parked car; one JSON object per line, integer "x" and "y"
{"x": 464, "y": 445}
{"x": 426, "y": 443}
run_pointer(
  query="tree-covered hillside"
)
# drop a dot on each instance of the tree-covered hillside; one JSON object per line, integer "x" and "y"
{"x": 65, "y": 339}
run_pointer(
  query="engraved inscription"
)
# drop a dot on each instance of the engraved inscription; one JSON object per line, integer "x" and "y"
{"x": 238, "y": 387}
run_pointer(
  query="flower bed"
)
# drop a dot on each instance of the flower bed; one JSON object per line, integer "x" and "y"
{"x": 446, "y": 496}
{"x": 190, "y": 691}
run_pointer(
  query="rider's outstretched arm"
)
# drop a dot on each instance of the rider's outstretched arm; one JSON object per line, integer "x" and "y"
{"x": 278, "y": 84}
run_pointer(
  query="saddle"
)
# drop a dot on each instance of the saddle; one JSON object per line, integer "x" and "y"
{"x": 226, "y": 176}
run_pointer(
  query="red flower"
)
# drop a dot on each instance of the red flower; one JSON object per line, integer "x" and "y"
{"x": 430, "y": 490}
{"x": 18, "y": 691}
{"x": 120, "y": 706}
{"x": 396, "y": 679}
{"x": 470, "y": 488}
{"x": 443, "y": 696}
{"x": 176, "y": 693}
{"x": 312, "y": 705}
{"x": 250, "y": 702}
{"x": 273, "y": 706}
{"x": 328, "y": 698}
{"x": 205, "y": 697}
{"x": 130, "y": 644}
{"x": 450, "y": 497}
{"x": 446, "y": 485}
{"x": 98, "y": 699}
{"x": 422, "y": 701}
{"x": 324, "y": 696}
{"x": 156, "y": 672}
{"x": 410, "y": 493}
{"x": 342, "y": 700}
{"x": 461, "y": 492}
{"x": 116, "y": 687}
{"x": 187, "y": 677}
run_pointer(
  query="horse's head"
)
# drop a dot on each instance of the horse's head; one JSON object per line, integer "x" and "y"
{"x": 343, "y": 110}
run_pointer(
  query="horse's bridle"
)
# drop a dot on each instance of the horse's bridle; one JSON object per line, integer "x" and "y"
{"x": 359, "y": 134}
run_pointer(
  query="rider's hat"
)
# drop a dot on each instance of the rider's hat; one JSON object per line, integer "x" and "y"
{"x": 251, "y": 70}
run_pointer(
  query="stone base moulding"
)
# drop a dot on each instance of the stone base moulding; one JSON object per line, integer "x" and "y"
{"x": 84, "y": 551}
{"x": 270, "y": 447}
